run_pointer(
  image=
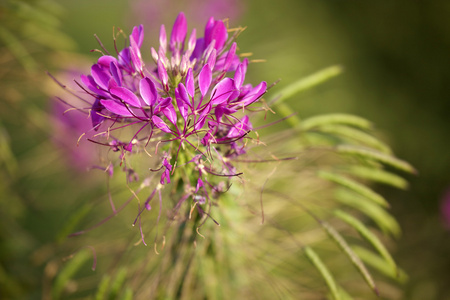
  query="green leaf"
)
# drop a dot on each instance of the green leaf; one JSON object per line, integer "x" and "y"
{"x": 355, "y": 135}
{"x": 117, "y": 284}
{"x": 72, "y": 266}
{"x": 128, "y": 294}
{"x": 333, "y": 119}
{"x": 371, "y": 154}
{"x": 306, "y": 83}
{"x": 378, "y": 175}
{"x": 350, "y": 254}
{"x": 355, "y": 186}
{"x": 368, "y": 235}
{"x": 380, "y": 264}
{"x": 380, "y": 216}
{"x": 285, "y": 110}
{"x": 323, "y": 270}
{"x": 102, "y": 288}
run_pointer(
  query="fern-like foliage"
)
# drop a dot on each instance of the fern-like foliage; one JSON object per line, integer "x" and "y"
{"x": 305, "y": 223}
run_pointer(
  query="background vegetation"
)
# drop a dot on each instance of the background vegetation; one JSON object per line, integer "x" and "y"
{"x": 396, "y": 63}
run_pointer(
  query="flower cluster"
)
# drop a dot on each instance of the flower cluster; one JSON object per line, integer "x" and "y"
{"x": 190, "y": 105}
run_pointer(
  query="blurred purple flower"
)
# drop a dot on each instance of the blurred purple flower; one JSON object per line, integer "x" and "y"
{"x": 155, "y": 12}
{"x": 68, "y": 127}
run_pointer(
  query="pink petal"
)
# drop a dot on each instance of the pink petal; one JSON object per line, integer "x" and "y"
{"x": 222, "y": 91}
{"x": 204, "y": 79}
{"x": 116, "y": 72}
{"x": 212, "y": 59}
{"x": 181, "y": 94}
{"x": 169, "y": 112}
{"x": 182, "y": 107}
{"x": 192, "y": 42}
{"x": 190, "y": 83}
{"x": 101, "y": 77}
{"x": 217, "y": 31}
{"x": 126, "y": 95}
{"x": 254, "y": 94}
{"x": 163, "y": 38}
{"x": 179, "y": 31}
{"x": 135, "y": 54}
{"x": 202, "y": 117}
{"x": 163, "y": 102}
{"x": 239, "y": 76}
{"x": 221, "y": 110}
{"x": 96, "y": 118}
{"x": 240, "y": 128}
{"x": 106, "y": 60}
{"x": 116, "y": 108}
{"x": 92, "y": 85}
{"x": 124, "y": 57}
{"x": 230, "y": 57}
{"x": 160, "y": 124}
{"x": 199, "y": 48}
{"x": 112, "y": 83}
{"x": 162, "y": 73}
{"x": 148, "y": 91}
{"x": 138, "y": 35}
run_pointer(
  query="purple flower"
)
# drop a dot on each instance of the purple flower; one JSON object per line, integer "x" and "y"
{"x": 189, "y": 105}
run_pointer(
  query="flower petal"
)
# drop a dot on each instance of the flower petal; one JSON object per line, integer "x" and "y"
{"x": 240, "y": 129}
{"x": 126, "y": 95}
{"x": 169, "y": 112}
{"x": 254, "y": 94}
{"x": 162, "y": 73}
{"x": 212, "y": 59}
{"x": 92, "y": 85}
{"x": 199, "y": 48}
{"x": 239, "y": 76}
{"x": 192, "y": 42}
{"x": 202, "y": 117}
{"x": 163, "y": 38}
{"x": 204, "y": 79}
{"x": 222, "y": 91}
{"x": 230, "y": 57}
{"x": 182, "y": 106}
{"x": 162, "y": 103}
{"x": 148, "y": 91}
{"x": 135, "y": 54}
{"x": 106, "y": 60}
{"x": 179, "y": 31}
{"x": 116, "y": 108}
{"x": 182, "y": 94}
{"x": 101, "y": 77}
{"x": 124, "y": 57}
{"x": 159, "y": 123}
{"x": 138, "y": 35}
{"x": 190, "y": 83}
{"x": 96, "y": 118}
{"x": 116, "y": 72}
{"x": 216, "y": 30}
{"x": 221, "y": 110}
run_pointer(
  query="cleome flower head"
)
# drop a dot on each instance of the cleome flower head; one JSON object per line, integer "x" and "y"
{"x": 189, "y": 104}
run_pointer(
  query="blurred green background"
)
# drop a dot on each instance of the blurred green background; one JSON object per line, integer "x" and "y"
{"x": 396, "y": 60}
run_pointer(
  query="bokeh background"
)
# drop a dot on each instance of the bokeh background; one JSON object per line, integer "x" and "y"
{"x": 396, "y": 61}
